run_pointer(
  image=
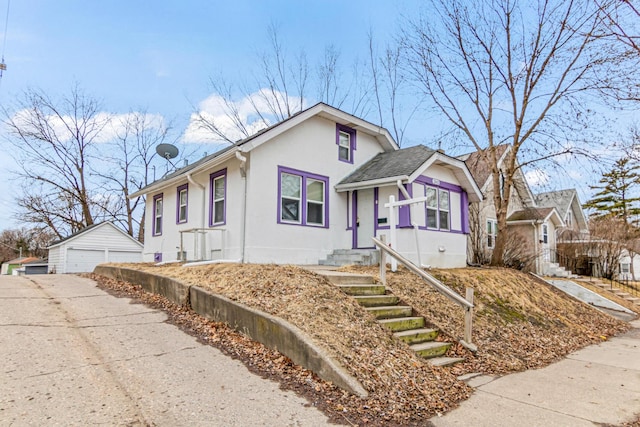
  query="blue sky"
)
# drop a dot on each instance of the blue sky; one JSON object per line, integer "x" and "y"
{"x": 160, "y": 55}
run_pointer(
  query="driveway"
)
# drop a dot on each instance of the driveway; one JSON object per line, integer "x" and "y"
{"x": 75, "y": 355}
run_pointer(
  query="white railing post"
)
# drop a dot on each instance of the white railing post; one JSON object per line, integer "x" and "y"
{"x": 465, "y": 302}
{"x": 392, "y": 231}
{"x": 383, "y": 262}
{"x": 468, "y": 316}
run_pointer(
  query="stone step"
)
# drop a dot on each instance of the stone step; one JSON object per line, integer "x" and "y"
{"x": 430, "y": 349}
{"x": 445, "y": 361}
{"x": 338, "y": 278}
{"x": 403, "y": 323}
{"x": 634, "y": 300}
{"x": 390, "y": 312}
{"x": 361, "y": 290}
{"x": 377, "y": 300}
{"x": 417, "y": 336}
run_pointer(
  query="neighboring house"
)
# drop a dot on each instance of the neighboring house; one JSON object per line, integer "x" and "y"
{"x": 310, "y": 185}
{"x": 96, "y": 244}
{"x": 9, "y": 266}
{"x": 532, "y": 242}
{"x": 39, "y": 266}
{"x": 570, "y": 210}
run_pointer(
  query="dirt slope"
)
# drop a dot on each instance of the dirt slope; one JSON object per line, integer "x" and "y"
{"x": 519, "y": 324}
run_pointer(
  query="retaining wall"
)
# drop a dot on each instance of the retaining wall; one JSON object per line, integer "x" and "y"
{"x": 273, "y": 332}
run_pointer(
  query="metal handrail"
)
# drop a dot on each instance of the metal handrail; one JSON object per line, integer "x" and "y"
{"x": 465, "y": 303}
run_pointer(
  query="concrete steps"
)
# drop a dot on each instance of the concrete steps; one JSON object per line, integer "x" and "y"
{"x": 618, "y": 292}
{"x": 340, "y": 257}
{"x": 400, "y": 319}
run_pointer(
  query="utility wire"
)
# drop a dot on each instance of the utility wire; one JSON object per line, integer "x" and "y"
{"x": 3, "y": 66}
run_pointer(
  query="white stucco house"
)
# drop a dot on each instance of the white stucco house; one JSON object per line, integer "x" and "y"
{"x": 93, "y": 245}
{"x": 306, "y": 188}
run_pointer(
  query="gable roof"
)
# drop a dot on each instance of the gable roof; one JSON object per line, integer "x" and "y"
{"x": 21, "y": 260}
{"x": 481, "y": 169}
{"x": 320, "y": 110}
{"x": 563, "y": 200}
{"x": 406, "y": 165}
{"x": 396, "y": 164}
{"x": 533, "y": 215}
{"x": 89, "y": 228}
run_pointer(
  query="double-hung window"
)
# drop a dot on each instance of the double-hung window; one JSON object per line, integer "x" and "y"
{"x": 346, "y": 141}
{"x": 302, "y": 198}
{"x": 157, "y": 215}
{"x": 218, "y": 197}
{"x": 492, "y": 233}
{"x": 438, "y": 208}
{"x": 181, "y": 208}
{"x": 545, "y": 233}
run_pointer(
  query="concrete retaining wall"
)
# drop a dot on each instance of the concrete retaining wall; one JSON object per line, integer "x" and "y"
{"x": 269, "y": 330}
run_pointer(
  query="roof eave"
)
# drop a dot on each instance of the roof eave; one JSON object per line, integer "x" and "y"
{"x": 361, "y": 185}
{"x": 179, "y": 178}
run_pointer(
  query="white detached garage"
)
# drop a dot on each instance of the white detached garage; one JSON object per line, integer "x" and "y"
{"x": 96, "y": 244}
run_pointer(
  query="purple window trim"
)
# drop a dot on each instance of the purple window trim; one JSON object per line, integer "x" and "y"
{"x": 186, "y": 210}
{"x": 464, "y": 201}
{"x": 426, "y": 220}
{"x": 154, "y": 232}
{"x": 404, "y": 212}
{"x": 157, "y": 257}
{"x": 444, "y": 185}
{"x": 354, "y": 219}
{"x": 303, "y": 199}
{"x": 212, "y": 177}
{"x": 349, "y": 214}
{"x": 352, "y": 141}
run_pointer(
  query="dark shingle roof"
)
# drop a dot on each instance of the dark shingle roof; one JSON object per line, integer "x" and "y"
{"x": 395, "y": 163}
{"x": 561, "y": 199}
{"x": 530, "y": 214}
{"x": 479, "y": 168}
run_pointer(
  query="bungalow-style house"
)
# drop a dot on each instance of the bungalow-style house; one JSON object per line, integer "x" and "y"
{"x": 82, "y": 251}
{"x": 532, "y": 243}
{"x": 311, "y": 188}
{"x": 14, "y": 264}
{"x": 570, "y": 210}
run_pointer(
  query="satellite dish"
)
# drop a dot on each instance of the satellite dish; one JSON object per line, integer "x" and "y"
{"x": 167, "y": 151}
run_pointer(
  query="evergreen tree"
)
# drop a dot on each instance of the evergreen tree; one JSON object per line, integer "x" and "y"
{"x": 616, "y": 189}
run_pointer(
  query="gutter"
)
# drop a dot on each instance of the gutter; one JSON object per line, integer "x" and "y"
{"x": 204, "y": 212}
{"x": 407, "y": 196}
{"x": 243, "y": 223}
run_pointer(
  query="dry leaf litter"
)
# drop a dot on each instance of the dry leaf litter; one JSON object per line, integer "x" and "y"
{"x": 519, "y": 324}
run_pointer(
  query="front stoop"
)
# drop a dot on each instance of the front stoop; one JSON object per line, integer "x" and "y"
{"x": 341, "y": 257}
{"x": 389, "y": 312}
{"x": 618, "y": 292}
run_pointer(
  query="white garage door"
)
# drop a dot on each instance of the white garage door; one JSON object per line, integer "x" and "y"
{"x": 123, "y": 256}
{"x": 83, "y": 260}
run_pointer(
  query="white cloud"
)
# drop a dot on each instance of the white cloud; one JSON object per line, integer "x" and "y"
{"x": 537, "y": 178}
{"x": 253, "y": 113}
{"x": 102, "y": 127}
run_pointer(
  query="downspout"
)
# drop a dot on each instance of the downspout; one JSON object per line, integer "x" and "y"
{"x": 243, "y": 223}
{"x": 204, "y": 212}
{"x": 535, "y": 246}
{"x": 406, "y": 195}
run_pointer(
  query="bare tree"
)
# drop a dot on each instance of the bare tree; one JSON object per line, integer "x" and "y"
{"x": 389, "y": 82}
{"x": 24, "y": 241}
{"x": 54, "y": 143}
{"x": 281, "y": 86}
{"x": 509, "y": 71}
{"x": 608, "y": 239}
{"x": 129, "y": 159}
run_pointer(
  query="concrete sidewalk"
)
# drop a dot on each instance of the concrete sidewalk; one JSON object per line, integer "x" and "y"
{"x": 598, "y": 385}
